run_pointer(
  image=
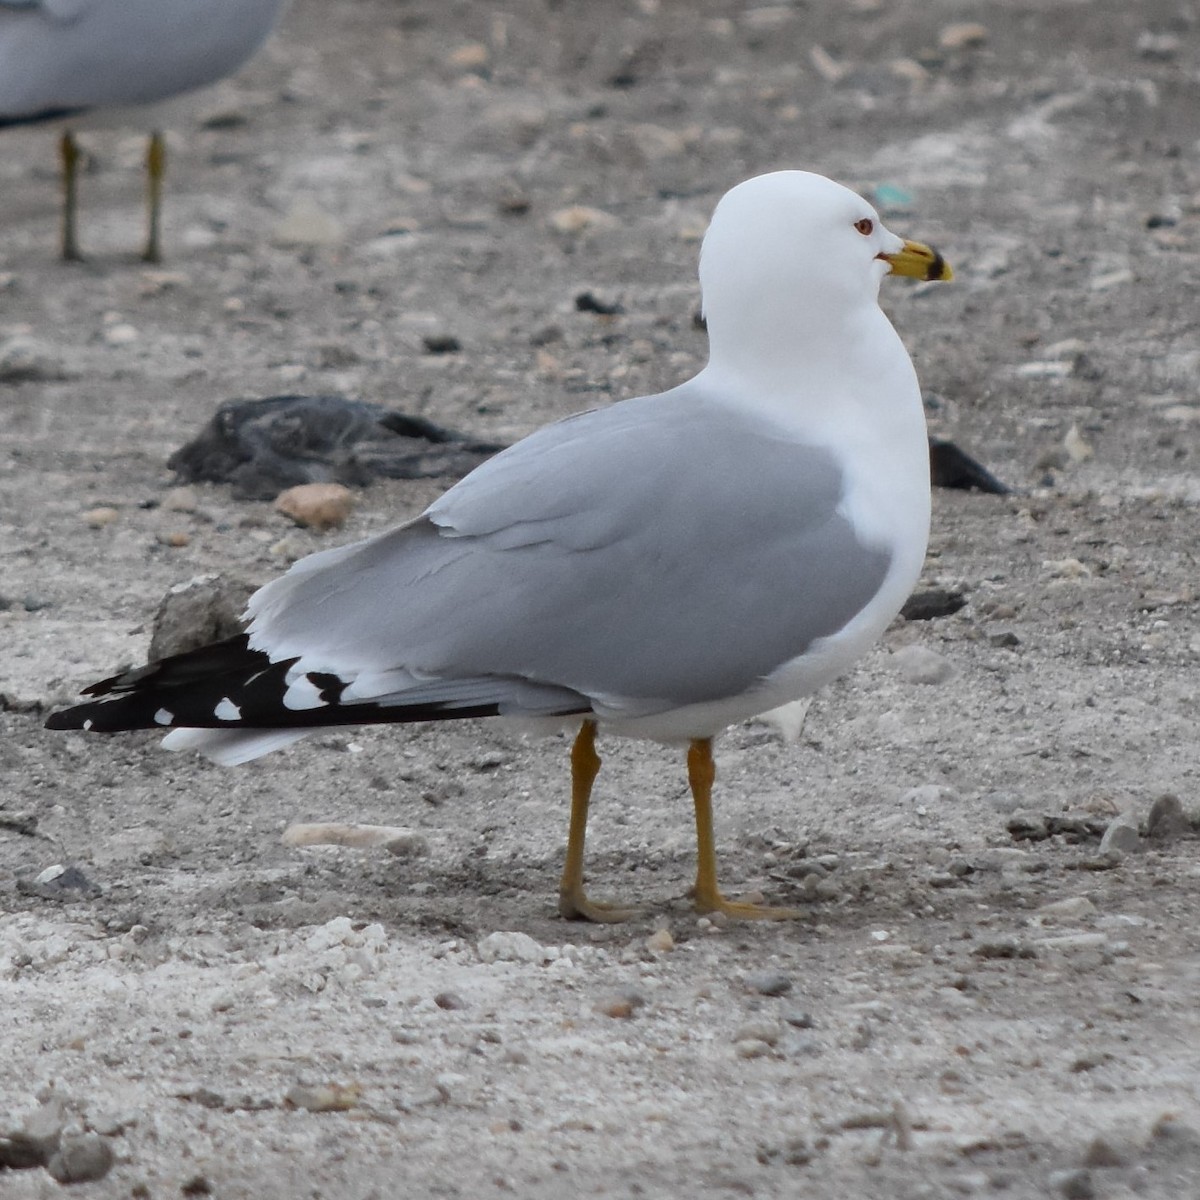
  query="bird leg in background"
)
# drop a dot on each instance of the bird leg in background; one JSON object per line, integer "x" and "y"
{"x": 156, "y": 166}
{"x": 69, "y": 155}
{"x": 707, "y": 896}
{"x": 572, "y": 900}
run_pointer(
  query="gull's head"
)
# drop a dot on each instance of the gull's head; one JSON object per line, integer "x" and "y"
{"x": 793, "y": 252}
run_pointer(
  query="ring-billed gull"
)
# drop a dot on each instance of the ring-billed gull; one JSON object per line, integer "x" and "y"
{"x": 62, "y": 59}
{"x": 662, "y": 568}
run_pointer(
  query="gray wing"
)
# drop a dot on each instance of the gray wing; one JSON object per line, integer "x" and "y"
{"x": 662, "y": 552}
{"x": 60, "y": 56}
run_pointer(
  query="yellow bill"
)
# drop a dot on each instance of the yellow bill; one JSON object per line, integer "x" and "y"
{"x": 918, "y": 261}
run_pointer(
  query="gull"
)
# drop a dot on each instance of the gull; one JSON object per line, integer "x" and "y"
{"x": 662, "y": 568}
{"x": 65, "y": 60}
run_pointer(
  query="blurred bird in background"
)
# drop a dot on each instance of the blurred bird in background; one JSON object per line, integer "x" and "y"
{"x": 88, "y": 62}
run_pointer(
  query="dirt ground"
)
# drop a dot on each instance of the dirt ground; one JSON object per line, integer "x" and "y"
{"x": 981, "y": 999}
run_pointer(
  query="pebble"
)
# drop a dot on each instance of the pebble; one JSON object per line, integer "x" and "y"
{"x": 919, "y": 664}
{"x": 1158, "y": 47}
{"x": 470, "y": 56}
{"x": 769, "y": 983}
{"x": 1166, "y": 819}
{"x": 962, "y": 35}
{"x": 25, "y": 360}
{"x": 180, "y": 499}
{"x": 1070, "y": 908}
{"x": 929, "y": 795}
{"x": 404, "y": 843}
{"x": 751, "y": 1048}
{"x": 1101, "y": 1152}
{"x": 660, "y": 941}
{"x": 1121, "y": 836}
{"x": 766, "y": 1032}
{"x": 81, "y": 1158}
{"x": 799, "y": 1018}
{"x": 578, "y": 218}
{"x": 1074, "y": 1185}
{"x": 121, "y": 334}
{"x": 306, "y": 224}
{"x": 510, "y": 946}
{"x": 327, "y": 1097}
{"x": 441, "y": 343}
{"x": 620, "y": 1008}
{"x": 319, "y": 506}
{"x": 98, "y": 518}
{"x": 450, "y": 1001}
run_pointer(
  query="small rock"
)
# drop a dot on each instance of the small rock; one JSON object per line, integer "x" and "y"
{"x": 1121, "y": 836}
{"x": 620, "y": 1008}
{"x": 450, "y": 1001}
{"x": 176, "y": 539}
{"x": 121, "y": 334}
{"x": 60, "y": 883}
{"x": 1166, "y": 820}
{"x": 767, "y": 1032}
{"x": 660, "y": 942}
{"x": 578, "y": 218}
{"x": 919, "y": 664}
{"x": 962, "y": 35}
{"x": 471, "y": 56}
{"x": 194, "y": 1185}
{"x": 441, "y": 343}
{"x": 1158, "y": 47}
{"x": 591, "y": 303}
{"x": 180, "y": 499}
{"x": 24, "y": 360}
{"x": 81, "y": 1158}
{"x": 929, "y": 795}
{"x": 769, "y": 983}
{"x": 799, "y": 1018}
{"x": 1074, "y": 1185}
{"x": 203, "y": 609}
{"x": 1077, "y": 448}
{"x": 1101, "y": 1152}
{"x": 328, "y": 1097}
{"x": 751, "y": 1048}
{"x": 98, "y": 518}
{"x": 307, "y": 225}
{"x": 510, "y": 946}
{"x": 1071, "y": 908}
{"x": 319, "y": 506}
{"x": 932, "y": 603}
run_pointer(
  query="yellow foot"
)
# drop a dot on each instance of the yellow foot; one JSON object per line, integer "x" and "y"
{"x": 743, "y": 910}
{"x": 575, "y": 906}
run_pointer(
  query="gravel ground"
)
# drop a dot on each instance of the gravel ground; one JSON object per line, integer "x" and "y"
{"x": 984, "y": 997}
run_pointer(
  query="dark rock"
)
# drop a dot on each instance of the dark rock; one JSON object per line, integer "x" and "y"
{"x": 1166, "y": 820}
{"x": 69, "y": 883}
{"x": 193, "y": 614}
{"x": 264, "y": 446}
{"x": 590, "y": 302}
{"x": 932, "y": 603}
{"x": 950, "y": 467}
{"x": 441, "y": 343}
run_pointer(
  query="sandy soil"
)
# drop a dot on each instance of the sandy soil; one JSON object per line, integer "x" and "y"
{"x": 963, "y": 1011}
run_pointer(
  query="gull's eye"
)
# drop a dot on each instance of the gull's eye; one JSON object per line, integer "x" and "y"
{"x": 866, "y": 226}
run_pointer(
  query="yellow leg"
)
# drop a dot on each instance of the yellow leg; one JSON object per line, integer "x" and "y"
{"x": 572, "y": 899}
{"x": 156, "y": 166}
{"x": 708, "y": 898}
{"x": 68, "y": 153}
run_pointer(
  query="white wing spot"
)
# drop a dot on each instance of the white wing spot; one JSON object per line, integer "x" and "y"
{"x": 163, "y": 717}
{"x": 87, "y": 724}
{"x": 227, "y": 711}
{"x": 303, "y": 693}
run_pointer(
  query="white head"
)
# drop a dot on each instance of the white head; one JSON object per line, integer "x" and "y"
{"x": 792, "y": 255}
